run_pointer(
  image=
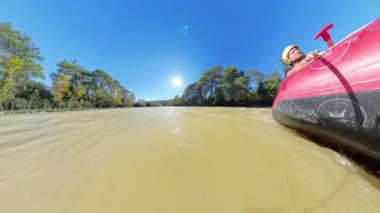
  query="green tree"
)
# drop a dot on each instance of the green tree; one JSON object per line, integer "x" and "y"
{"x": 102, "y": 98}
{"x": 208, "y": 83}
{"x": 257, "y": 88}
{"x": 76, "y": 75}
{"x": 140, "y": 103}
{"x": 273, "y": 82}
{"x": 80, "y": 92}
{"x": 9, "y": 70}
{"x": 230, "y": 88}
{"x": 177, "y": 101}
{"x": 267, "y": 88}
{"x": 15, "y": 44}
{"x": 242, "y": 87}
{"x": 61, "y": 85}
{"x": 105, "y": 87}
{"x": 30, "y": 88}
{"x": 255, "y": 78}
{"x": 192, "y": 95}
{"x": 128, "y": 98}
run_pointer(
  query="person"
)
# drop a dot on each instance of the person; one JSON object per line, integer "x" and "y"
{"x": 295, "y": 58}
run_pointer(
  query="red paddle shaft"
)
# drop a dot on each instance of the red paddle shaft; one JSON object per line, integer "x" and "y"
{"x": 325, "y": 35}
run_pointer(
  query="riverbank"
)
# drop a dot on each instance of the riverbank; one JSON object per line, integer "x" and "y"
{"x": 36, "y": 111}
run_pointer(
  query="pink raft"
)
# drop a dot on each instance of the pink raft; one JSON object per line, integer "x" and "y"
{"x": 337, "y": 97}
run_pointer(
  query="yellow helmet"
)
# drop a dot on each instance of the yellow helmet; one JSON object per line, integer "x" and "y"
{"x": 285, "y": 54}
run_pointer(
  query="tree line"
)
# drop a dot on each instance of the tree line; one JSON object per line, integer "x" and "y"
{"x": 225, "y": 87}
{"x": 220, "y": 86}
{"x": 72, "y": 85}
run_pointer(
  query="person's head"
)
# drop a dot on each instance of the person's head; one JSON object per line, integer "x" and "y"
{"x": 292, "y": 54}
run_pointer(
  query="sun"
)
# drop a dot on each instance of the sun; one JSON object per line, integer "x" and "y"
{"x": 176, "y": 81}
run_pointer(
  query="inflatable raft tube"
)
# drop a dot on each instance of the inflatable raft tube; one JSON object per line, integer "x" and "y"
{"x": 337, "y": 96}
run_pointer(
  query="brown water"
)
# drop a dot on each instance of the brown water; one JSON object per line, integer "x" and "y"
{"x": 172, "y": 160}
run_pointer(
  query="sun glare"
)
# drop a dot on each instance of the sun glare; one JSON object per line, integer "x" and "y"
{"x": 176, "y": 81}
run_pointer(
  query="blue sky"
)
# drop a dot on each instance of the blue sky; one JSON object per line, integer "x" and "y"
{"x": 144, "y": 44}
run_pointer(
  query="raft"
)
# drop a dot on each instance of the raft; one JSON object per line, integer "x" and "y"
{"x": 336, "y": 98}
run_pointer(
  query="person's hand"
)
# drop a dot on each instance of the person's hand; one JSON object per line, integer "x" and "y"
{"x": 315, "y": 53}
{"x": 312, "y": 55}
